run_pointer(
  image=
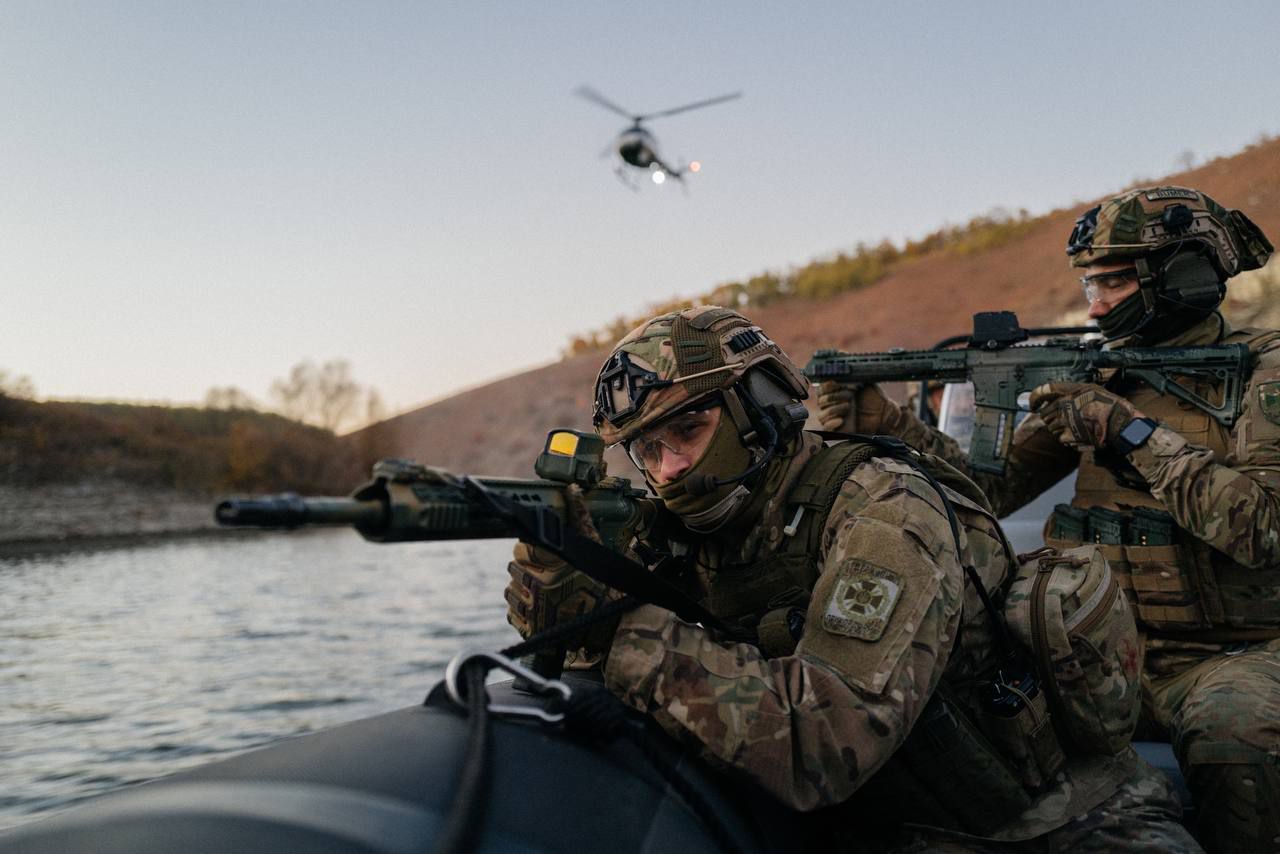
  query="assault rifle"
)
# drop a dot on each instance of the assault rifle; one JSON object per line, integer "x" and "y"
{"x": 407, "y": 501}
{"x": 1002, "y": 368}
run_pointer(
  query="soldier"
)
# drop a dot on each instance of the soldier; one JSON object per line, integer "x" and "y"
{"x": 867, "y": 671}
{"x": 932, "y": 401}
{"x": 1201, "y": 501}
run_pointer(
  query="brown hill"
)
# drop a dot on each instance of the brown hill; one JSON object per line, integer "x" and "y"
{"x": 499, "y": 428}
{"x": 75, "y": 472}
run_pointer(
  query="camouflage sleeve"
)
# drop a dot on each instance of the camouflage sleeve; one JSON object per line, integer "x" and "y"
{"x": 811, "y": 727}
{"x": 1233, "y": 506}
{"x": 1037, "y": 459}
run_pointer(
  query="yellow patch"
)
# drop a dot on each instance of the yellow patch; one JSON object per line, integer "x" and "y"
{"x": 862, "y": 600}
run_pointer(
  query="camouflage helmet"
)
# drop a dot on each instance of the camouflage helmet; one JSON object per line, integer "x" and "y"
{"x": 677, "y": 360}
{"x": 1146, "y": 221}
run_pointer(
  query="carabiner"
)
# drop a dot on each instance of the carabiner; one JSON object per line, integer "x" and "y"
{"x": 535, "y": 683}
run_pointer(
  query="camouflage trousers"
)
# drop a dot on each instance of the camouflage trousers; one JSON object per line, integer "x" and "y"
{"x": 1220, "y": 707}
{"x": 1142, "y": 816}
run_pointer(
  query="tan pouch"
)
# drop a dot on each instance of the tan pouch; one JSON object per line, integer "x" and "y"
{"x": 1165, "y": 592}
{"x": 1067, "y": 609}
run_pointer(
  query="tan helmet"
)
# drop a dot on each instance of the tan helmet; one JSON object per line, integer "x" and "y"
{"x": 1149, "y": 220}
{"x": 676, "y": 360}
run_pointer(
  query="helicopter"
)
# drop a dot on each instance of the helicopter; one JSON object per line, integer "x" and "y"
{"x": 637, "y": 148}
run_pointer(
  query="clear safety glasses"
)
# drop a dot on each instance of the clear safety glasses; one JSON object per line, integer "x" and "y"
{"x": 1109, "y": 287}
{"x": 687, "y": 433}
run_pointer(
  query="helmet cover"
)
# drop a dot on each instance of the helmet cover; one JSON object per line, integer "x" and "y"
{"x": 677, "y": 360}
{"x": 1146, "y": 221}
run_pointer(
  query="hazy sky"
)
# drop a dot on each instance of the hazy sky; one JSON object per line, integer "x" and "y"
{"x": 200, "y": 194}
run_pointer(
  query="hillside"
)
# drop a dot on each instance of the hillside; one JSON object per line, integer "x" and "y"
{"x": 71, "y": 471}
{"x": 499, "y": 428}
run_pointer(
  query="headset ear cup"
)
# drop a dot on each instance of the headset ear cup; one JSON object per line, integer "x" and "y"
{"x": 1191, "y": 281}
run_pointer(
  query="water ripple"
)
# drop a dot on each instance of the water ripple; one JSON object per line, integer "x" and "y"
{"x": 113, "y": 659}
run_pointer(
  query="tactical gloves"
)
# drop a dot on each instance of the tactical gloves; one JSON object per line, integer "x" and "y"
{"x": 545, "y": 591}
{"x": 855, "y": 408}
{"x": 1082, "y": 414}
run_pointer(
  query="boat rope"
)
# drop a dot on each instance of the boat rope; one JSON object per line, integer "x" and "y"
{"x": 591, "y": 713}
{"x": 463, "y": 822}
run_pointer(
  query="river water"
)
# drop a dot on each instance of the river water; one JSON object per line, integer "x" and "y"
{"x": 123, "y": 665}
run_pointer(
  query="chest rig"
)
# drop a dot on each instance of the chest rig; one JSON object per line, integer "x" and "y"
{"x": 766, "y": 599}
{"x": 1180, "y": 583}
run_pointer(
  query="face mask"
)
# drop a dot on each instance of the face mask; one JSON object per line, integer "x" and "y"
{"x": 1125, "y": 317}
{"x": 725, "y": 457}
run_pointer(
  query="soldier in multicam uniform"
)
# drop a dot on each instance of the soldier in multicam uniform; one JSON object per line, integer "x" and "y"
{"x": 1208, "y": 590}
{"x": 869, "y": 681}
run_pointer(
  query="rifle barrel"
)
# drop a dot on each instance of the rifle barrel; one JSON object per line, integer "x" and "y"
{"x": 890, "y": 366}
{"x": 290, "y": 510}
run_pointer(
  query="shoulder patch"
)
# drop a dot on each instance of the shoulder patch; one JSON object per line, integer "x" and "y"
{"x": 862, "y": 600}
{"x": 1269, "y": 400}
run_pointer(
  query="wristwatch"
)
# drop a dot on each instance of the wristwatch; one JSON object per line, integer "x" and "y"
{"x": 1134, "y": 435}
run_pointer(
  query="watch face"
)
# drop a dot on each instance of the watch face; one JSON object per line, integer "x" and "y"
{"x": 1136, "y": 432}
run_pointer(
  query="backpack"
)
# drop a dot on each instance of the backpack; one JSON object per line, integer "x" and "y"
{"x": 1067, "y": 609}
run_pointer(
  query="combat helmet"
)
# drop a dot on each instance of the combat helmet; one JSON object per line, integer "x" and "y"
{"x": 693, "y": 358}
{"x": 1184, "y": 246}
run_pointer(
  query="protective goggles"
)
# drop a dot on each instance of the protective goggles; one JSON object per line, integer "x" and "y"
{"x": 1107, "y": 287}
{"x": 683, "y": 433}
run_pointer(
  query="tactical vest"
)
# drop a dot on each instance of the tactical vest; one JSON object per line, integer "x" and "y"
{"x": 767, "y": 599}
{"x": 959, "y": 768}
{"x": 1183, "y": 586}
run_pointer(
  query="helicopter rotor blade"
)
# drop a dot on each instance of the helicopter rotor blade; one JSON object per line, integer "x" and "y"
{"x": 600, "y": 100}
{"x": 694, "y": 106}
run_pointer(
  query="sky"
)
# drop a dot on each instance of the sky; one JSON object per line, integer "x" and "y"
{"x": 204, "y": 194}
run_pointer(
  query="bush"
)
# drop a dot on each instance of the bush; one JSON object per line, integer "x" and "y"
{"x": 822, "y": 279}
{"x": 185, "y": 448}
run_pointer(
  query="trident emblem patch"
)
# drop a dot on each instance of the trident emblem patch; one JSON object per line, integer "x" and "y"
{"x": 862, "y": 601}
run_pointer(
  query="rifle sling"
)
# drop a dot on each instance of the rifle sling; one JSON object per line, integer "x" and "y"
{"x": 543, "y": 527}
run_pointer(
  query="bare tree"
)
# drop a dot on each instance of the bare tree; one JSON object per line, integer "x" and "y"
{"x": 337, "y": 394}
{"x": 228, "y": 397}
{"x": 374, "y": 409}
{"x": 327, "y": 396}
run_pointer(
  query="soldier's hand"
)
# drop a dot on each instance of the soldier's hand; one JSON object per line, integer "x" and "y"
{"x": 1082, "y": 414}
{"x": 545, "y": 591}
{"x": 848, "y": 408}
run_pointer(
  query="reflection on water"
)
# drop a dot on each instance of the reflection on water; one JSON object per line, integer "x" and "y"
{"x": 123, "y": 665}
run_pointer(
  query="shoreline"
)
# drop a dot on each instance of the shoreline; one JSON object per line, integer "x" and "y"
{"x": 99, "y": 514}
{"x": 39, "y": 546}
